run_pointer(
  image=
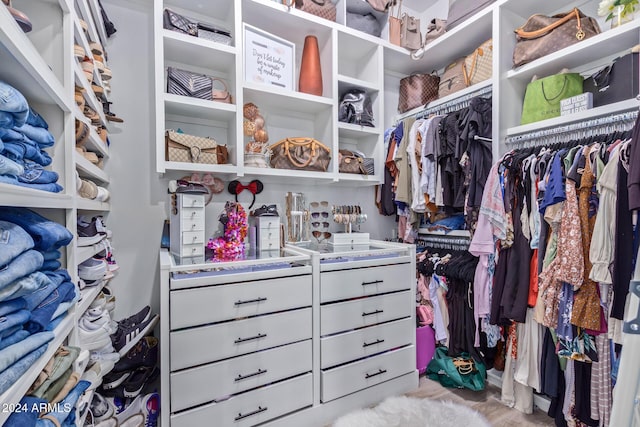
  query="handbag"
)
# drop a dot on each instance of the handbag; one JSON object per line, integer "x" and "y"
{"x": 461, "y": 10}
{"x": 616, "y": 82}
{"x": 355, "y": 107}
{"x": 435, "y": 29}
{"x": 300, "y": 153}
{"x": 456, "y": 372}
{"x": 395, "y": 24}
{"x": 410, "y": 35}
{"x": 479, "y": 65}
{"x": 322, "y": 8}
{"x": 209, "y": 32}
{"x": 186, "y": 83}
{"x": 542, "y": 97}
{"x": 350, "y": 163}
{"x": 453, "y": 78}
{"x": 181, "y": 147}
{"x": 542, "y": 35}
{"x": 416, "y": 90}
{"x": 176, "y": 22}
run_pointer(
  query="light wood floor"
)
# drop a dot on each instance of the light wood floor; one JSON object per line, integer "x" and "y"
{"x": 487, "y": 402}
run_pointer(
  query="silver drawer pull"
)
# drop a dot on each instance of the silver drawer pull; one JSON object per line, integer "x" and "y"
{"x": 195, "y": 238}
{"x": 372, "y": 313}
{"x": 380, "y": 372}
{"x": 375, "y": 282}
{"x": 367, "y": 344}
{"x": 250, "y": 301}
{"x": 255, "y": 374}
{"x": 257, "y": 337}
{"x": 257, "y": 411}
{"x": 193, "y": 214}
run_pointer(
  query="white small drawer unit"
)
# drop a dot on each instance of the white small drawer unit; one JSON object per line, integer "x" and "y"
{"x": 267, "y": 233}
{"x": 187, "y": 225}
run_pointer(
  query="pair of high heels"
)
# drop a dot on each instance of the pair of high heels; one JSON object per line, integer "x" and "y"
{"x": 22, "y": 19}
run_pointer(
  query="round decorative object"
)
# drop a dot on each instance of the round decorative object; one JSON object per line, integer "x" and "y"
{"x": 250, "y": 111}
{"x": 249, "y": 127}
{"x": 261, "y": 136}
{"x": 253, "y": 147}
{"x": 259, "y": 122}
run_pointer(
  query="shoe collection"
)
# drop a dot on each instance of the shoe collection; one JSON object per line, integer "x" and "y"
{"x": 90, "y": 190}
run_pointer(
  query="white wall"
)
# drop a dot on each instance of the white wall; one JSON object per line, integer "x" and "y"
{"x": 139, "y": 193}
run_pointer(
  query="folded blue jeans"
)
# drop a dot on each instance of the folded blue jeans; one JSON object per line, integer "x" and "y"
{"x": 29, "y": 416}
{"x": 14, "y": 338}
{"x": 10, "y": 167}
{"x": 38, "y": 134}
{"x": 65, "y": 416}
{"x": 24, "y": 286}
{"x": 21, "y": 150}
{"x": 12, "y": 306}
{"x": 13, "y": 241}
{"x": 11, "y": 320}
{"x": 22, "y": 265}
{"x": 43, "y": 313}
{"x": 47, "y": 285}
{"x": 53, "y": 254}
{"x": 51, "y": 265}
{"x": 35, "y": 119}
{"x": 66, "y": 305}
{"x": 17, "y": 351}
{"x": 36, "y": 174}
{"x": 51, "y": 188}
{"x": 14, "y": 104}
{"x": 46, "y": 234}
{"x": 12, "y": 374}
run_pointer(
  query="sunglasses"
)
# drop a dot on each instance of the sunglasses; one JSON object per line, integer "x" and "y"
{"x": 316, "y": 215}
{"x": 317, "y": 224}
{"x": 321, "y": 235}
{"x": 318, "y": 204}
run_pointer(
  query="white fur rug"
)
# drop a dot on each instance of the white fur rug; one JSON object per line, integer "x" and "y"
{"x": 412, "y": 412}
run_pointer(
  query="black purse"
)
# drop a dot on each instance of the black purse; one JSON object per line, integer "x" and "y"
{"x": 175, "y": 22}
{"x": 616, "y": 82}
{"x": 355, "y": 107}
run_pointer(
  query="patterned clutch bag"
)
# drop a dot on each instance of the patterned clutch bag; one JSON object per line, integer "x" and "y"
{"x": 181, "y": 147}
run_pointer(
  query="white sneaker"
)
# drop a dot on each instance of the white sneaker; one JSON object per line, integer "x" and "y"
{"x": 103, "y": 194}
{"x": 99, "y": 301}
{"x": 92, "y": 339}
{"x": 135, "y": 421}
{"x": 110, "y": 422}
{"x": 92, "y": 269}
{"x": 148, "y": 406}
{"x": 82, "y": 360}
{"x": 101, "y": 408}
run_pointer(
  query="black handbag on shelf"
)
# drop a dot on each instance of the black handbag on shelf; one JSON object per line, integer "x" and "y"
{"x": 355, "y": 107}
{"x": 175, "y": 22}
{"x": 616, "y": 82}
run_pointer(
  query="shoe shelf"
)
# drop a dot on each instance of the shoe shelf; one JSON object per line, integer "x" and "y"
{"x": 87, "y": 295}
{"x": 97, "y": 20}
{"x": 18, "y": 389}
{"x": 198, "y": 108}
{"x": 83, "y": 204}
{"x": 81, "y": 418}
{"x": 93, "y": 143}
{"x": 89, "y": 96}
{"x": 13, "y": 195}
{"x": 185, "y": 49}
{"x": 587, "y": 51}
{"x": 82, "y": 7}
{"x": 86, "y": 169}
{"x": 80, "y": 36}
{"x": 83, "y": 253}
{"x": 24, "y": 68}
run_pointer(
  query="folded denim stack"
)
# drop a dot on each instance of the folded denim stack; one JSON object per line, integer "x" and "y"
{"x": 35, "y": 294}
{"x": 24, "y": 136}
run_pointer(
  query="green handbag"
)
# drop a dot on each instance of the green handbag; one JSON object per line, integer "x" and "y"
{"x": 458, "y": 372}
{"x": 543, "y": 96}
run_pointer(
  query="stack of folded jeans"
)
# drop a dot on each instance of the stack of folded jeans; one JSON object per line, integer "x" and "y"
{"x": 35, "y": 294}
{"x": 24, "y": 135}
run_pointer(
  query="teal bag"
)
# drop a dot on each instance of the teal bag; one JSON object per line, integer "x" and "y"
{"x": 458, "y": 372}
{"x": 542, "y": 97}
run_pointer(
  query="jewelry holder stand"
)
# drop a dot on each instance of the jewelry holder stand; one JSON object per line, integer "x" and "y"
{"x": 348, "y": 216}
{"x": 297, "y": 217}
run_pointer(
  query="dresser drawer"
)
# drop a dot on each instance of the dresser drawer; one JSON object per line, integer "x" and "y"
{"x": 270, "y": 244}
{"x": 192, "y": 201}
{"x": 345, "y": 284}
{"x": 199, "y": 306}
{"x": 265, "y": 224}
{"x": 193, "y": 237}
{"x": 356, "y": 376}
{"x": 191, "y": 250}
{"x": 251, "y": 408}
{"x": 210, "y": 382}
{"x": 344, "y": 316}
{"x": 343, "y": 348}
{"x": 192, "y": 225}
{"x": 196, "y": 346}
{"x": 192, "y": 214}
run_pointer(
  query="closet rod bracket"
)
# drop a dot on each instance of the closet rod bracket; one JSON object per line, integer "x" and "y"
{"x": 633, "y": 326}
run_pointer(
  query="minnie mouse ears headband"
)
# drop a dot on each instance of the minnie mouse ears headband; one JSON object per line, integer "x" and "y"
{"x": 254, "y": 187}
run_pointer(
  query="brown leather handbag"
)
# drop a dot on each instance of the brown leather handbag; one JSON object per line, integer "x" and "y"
{"x": 542, "y": 35}
{"x": 300, "y": 153}
{"x": 350, "y": 163}
{"x": 453, "y": 78}
{"x": 417, "y": 90}
{"x": 322, "y": 8}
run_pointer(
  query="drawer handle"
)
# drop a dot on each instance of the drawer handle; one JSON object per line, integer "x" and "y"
{"x": 195, "y": 238}
{"x": 367, "y": 344}
{"x": 375, "y": 282}
{"x": 193, "y": 214}
{"x": 372, "y": 313}
{"x": 380, "y": 372}
{"x": 255, "y": 374}
{"x": 257, "y": 337}
{"x": 257, "y": 411}
{"x": 250, "y": 301}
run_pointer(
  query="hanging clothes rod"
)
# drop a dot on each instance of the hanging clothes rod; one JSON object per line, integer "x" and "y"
{"x": 454, "y": 104}
{"x": 441, "y": 240}
{"x": 586, "y": 128}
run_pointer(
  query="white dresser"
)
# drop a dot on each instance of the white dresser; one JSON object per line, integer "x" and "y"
{"x": 187, "y": 226}
{"x": 296, "y": 340}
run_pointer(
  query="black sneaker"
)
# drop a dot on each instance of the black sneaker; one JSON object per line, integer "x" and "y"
{"x": 127, "y": 336}
{"x": 143, "y": 354}
{"x": 88, "y": 233}
{"x": 138, "y": 379}
{"x": 114, "y": 379}
{"x": 138, "y": 318}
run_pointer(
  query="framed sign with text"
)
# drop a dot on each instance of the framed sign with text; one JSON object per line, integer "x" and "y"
{"x": 268, "y": 59}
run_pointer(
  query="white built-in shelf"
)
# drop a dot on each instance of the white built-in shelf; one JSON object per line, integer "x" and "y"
{"x": 86, "y": 252}
{"x": 345, "y": 83}
{"x": 14, "y": 195}
{"x": 86, "y": 169}
{"x": 458, "y": 42}
{"x": 92, "y": 205}
{"x": 201, "y": 167}
{"x": 94, "y": 143}
{"x": 85, "y": 15}
{"x": 584, "y": 52}
{"x": 354, "y": 178}
{"x": 605, "y": 110}
{"x": 350, "y": 130}
{"x": 452, "y": 233}
{"x": 200, "y": 108}
{"x": 185, "y": 49}
{"x": 81, "y": 418}
{"x": 272, "y": 98}
{"x": 80, "y": 36}
{"x": 88, "y": 294}
{"x": 97, "y": 20}
{"x": 527, "y": 8}
{"x": 18, "y": 389}
{"x": 23, "y": 67}
{"x": 89, "y": 95}
{"x": 291, "y": 175}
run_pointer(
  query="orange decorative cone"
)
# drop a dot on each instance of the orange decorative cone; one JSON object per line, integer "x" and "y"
{"x": 310, "y": 69}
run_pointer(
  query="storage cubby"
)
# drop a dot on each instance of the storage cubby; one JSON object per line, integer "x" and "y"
{"x": 359, "y": 60}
